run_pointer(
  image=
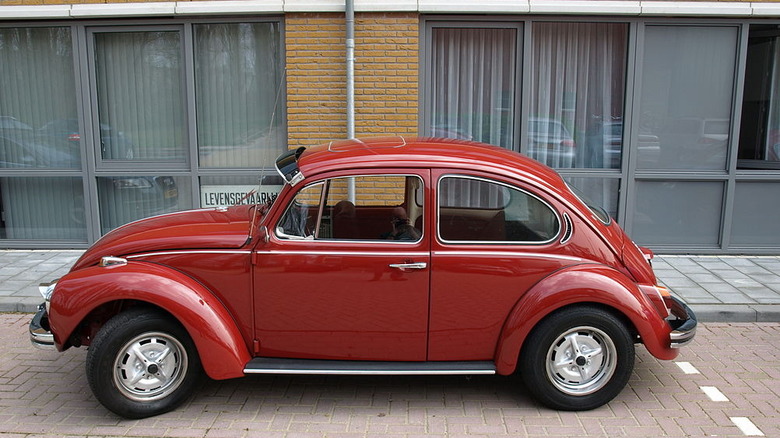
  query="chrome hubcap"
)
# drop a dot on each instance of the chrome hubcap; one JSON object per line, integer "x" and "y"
{"x": 150, "y": 366}
{"x": 581, "y": 361}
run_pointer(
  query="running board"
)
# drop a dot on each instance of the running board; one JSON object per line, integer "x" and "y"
{"x": 265, "y": 365}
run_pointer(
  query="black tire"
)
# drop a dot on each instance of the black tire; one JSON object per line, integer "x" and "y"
{"x": 595, "y": 357}
{"x": 139, "y": 387}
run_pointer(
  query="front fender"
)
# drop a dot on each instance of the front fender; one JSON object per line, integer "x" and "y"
{"x": 221, "y": 348}
{"x": 586, "y": 283}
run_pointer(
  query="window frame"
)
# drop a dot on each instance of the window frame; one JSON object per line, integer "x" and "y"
{"x": 411, "y": 197}
{"x": 554, "y": 211}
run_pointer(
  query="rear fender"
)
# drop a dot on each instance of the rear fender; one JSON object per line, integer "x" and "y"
{"x": 222, "y": 350}
{"x": 586, "y": 283}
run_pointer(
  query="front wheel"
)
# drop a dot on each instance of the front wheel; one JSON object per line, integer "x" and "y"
{"x": 577, "y": 359}
{"x": 142, "y": 363}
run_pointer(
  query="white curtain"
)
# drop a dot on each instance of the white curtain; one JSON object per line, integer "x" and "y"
{"x": 577, "y": 93}
{"x": 238, "y": 76}
{"x": 140, "y": 90}
{"x": 473, "y": 84}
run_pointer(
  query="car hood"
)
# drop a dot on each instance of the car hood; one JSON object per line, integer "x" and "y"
{"x": 194, "y": 229}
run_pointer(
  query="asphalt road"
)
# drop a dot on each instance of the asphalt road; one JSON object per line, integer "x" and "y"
{"x": 726, "y": 384}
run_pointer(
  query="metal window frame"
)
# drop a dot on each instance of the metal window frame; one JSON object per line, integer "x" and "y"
{"x": 83, "y": 60}
{"x": 628, "y": 175}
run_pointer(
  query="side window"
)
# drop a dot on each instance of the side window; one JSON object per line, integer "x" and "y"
{"x": 300, "y": 219}
{"x": 371, "y": 207}
{"x": 476, "y": 210}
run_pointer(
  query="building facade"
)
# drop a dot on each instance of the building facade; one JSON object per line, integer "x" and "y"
{"x": 667, "y": 113}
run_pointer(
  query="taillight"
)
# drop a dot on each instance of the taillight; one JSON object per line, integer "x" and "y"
{"x": 660, "y": 297}
{"x": 74, "y": 136}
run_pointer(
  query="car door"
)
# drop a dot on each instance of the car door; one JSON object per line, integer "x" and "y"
{"x": 494, "y": 240}
{"x": 345, "y": 271}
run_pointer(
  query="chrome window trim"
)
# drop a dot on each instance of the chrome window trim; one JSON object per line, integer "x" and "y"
{"x": 348, "y": 252}
{"x": 323, "y": 199}
{"x": 492, "y": 242}
{"x": 507, "y": 254}
{"x": 184, "y": 252}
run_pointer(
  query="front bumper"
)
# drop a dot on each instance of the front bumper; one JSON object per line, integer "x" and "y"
{"x": 40, "y": 334}
{"x": 683, "y": 322}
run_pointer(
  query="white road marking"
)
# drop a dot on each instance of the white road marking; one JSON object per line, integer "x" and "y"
{"x": 714, "y": 394}
{"x": 687, "y": 368}
{"x": 746, "y": 426}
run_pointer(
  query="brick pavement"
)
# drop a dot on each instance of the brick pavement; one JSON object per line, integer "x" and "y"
{"x": 45, "y": 394}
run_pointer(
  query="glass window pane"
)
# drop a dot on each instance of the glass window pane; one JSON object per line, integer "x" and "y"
{"x": 473, "y": 84}
{"x": 577, "y": 96}
{"x": 139, "y": 93}
{"x": 240, "y": 102}
{"x": 687, "y": 87}
{"x": 123, "y": 199}
{"x": 756, "y": 213}
{"x": 37, "y": 93}
{"x": 480, "y": 211}
{"x": 300, "y": 219}
{"x": 759, "y": 136}
{"x": 373, "y": 207}
{"x": 678, "y": 213}
{"x": 48, "y": 209}
{"x": 602, "y": 191}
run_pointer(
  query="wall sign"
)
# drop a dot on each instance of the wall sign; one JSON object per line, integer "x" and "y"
{"x": 227, "y": 195}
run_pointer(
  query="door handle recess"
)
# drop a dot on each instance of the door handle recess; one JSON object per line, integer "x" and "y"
{"x": 408, "y": 266}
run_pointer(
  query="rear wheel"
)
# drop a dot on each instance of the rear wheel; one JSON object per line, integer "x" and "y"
{"x": 142, "y": 363}
{"x": 578, "y": 358}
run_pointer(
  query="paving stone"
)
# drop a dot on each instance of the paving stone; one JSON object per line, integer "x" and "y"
{"x": 45, "y": 394}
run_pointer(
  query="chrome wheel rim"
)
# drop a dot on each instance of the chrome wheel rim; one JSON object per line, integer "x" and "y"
{"x": 581, "y": 361}
{"x": 149, "y": 367}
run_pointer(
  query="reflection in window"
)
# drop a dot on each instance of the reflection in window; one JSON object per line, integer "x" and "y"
{"x": 597, "y": 194}
{"x": 759, "y": 138}
{"x": 472, "y": 210}
{"x": 473, "y": 84}
{"x": 37, "y": 96}
{"x": 576, "y": 117}
{"x": 686, "y": 97}
{"x": 238, "y": 80}
{"x": 123, "y": 199}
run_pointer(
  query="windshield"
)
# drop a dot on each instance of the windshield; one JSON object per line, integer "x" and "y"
{"x": 595, "y": 208}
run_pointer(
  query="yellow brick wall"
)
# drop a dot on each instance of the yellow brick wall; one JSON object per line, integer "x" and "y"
{"x": 386, "y": 76}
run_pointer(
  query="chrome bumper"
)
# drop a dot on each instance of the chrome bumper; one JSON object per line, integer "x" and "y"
{"x": 40, "y": 336}
{"x": 683, "y": 322}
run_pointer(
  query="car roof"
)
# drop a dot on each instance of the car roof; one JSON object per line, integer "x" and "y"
{"x": 422, "y": 152}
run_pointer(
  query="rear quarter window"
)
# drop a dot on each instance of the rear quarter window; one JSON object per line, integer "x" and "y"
{"x": 479, "y": 210}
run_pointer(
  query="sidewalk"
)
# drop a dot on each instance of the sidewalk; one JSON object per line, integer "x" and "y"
{"x": 718, "y": 288}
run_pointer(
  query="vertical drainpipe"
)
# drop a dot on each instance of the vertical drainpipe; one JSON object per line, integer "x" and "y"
{"x": 350, "y": 42}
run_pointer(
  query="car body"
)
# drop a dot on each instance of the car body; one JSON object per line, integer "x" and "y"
{"x": 382, "y": 256}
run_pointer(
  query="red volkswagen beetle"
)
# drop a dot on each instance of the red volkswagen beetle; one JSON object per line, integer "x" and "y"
{"x": 385, "y": 256}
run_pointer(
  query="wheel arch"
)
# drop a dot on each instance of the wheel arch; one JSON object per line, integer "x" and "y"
{"x": 85, "y": 299}
{"x": 586, "y": 284}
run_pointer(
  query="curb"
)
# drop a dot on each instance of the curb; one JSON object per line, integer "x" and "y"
{"x": 736, "y": 312}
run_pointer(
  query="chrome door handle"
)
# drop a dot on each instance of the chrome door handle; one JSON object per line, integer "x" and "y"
{"x": 406, "y": 266}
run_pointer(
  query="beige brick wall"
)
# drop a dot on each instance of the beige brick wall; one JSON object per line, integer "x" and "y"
{"x": 386, "y": 76}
